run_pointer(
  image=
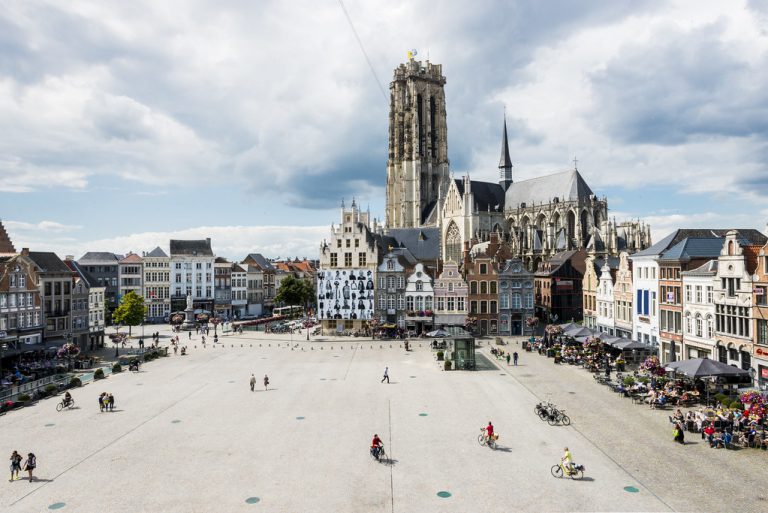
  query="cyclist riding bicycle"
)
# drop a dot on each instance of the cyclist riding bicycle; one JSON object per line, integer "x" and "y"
{"x": 567, "y": 461}
{"x": 67, "y": 398}
{"x": 376, "y": 445}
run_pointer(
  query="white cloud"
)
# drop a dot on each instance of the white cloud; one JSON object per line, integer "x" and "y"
{"x": 42, "y": 226}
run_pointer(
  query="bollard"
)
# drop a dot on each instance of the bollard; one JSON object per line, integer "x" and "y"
{"x": 313, "y": 348}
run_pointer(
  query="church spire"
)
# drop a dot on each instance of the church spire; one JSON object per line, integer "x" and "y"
{"x": 505, "y": 163}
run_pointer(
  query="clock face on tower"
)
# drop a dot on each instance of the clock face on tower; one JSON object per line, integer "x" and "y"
{"x": 516, "y": 268}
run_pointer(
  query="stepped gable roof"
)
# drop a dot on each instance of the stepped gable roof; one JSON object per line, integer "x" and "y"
{"x": 98, "y": 256}
{"x": 487, "y": 195}
{"x": 156, "y": 253}
{"x": 131, "y": 258}
{"x": 423, "y": 243}
{"x": 6, "y": 246}
{"x": 565, "y": 186}
{"x": 191, "y": 247}
{"x": 260, "y": 261}
{"x": 706, "y": 269}
{"x": 690, "y": 247}
{"x": 48, "y": 262}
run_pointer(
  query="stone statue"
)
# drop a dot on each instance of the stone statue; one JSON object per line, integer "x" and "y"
{"x": 189, "y": 301}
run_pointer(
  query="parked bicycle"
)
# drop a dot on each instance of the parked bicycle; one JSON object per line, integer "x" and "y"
{"x": 576, "y": 472}
{"x": 558, "y": 416}
{"x": 542, "y": 409}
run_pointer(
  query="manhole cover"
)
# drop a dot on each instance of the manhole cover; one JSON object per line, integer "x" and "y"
{"x": 231, "y": 381}
{"x": 175, "y": 421}
{"x": 299, "y": 418}
{"x": 526, "y": 375}
{"x": 57, "y": 505}
{"x": 322, "y": 379}
{"x": 572, "y": 393}
{"x": 50, "y": 425}
{"x": 631, "y": 489}
{"x": 252, "y": 500}
{"x": 413, "y": 376}
{"x": 443, "y": 495}
{"x": 423, "y": 414}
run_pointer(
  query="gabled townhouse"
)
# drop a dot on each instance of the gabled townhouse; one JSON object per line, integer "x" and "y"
{"x": 239, "y": 291}
{"x": 515, "y": 282}
{"x": 390, "y": 292}
{"x": 760, "y": 315}
{"x": 21, "y": 312}
{"x": 604, "y": 296}
{"x": 482, "y": 277}
{"x": 558, "y": 287}
{"x": 589, "y": 292}
{"x": 157, "y": 285}
{"x": 699, "y": 311}
{"x": 733, "y": 296}
{"x": 622, "y": 297}
{"x": 451, "y": 293}
{"x": 419, "y": 299}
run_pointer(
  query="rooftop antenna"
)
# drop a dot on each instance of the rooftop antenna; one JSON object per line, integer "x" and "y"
{"x": 575, "y": 164}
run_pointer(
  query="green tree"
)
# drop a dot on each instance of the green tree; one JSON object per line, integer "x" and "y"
{"x": 293, "y": 291}
{"x": 131, "y": 311}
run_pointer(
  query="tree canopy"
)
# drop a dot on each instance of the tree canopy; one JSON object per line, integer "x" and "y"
{"x": 293, "y": 291}
{"x": 131, "y": 310}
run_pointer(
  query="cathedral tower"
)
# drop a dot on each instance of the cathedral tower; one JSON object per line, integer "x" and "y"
{"x": 505, "y": 163}
{"x": 417, "y": 168}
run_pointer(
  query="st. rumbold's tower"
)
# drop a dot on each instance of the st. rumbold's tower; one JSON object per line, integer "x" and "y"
{"x": 417, "y": 168}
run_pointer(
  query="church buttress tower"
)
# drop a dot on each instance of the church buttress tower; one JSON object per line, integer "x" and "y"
{"x": 417, "y": 168}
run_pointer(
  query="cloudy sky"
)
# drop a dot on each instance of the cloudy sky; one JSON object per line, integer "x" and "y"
{"x": 127, "y": 123}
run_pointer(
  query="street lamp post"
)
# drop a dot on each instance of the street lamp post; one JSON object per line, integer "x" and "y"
{"x": 141, "y": 340}
{"x": 3, "y": 347}
{"x": 117, "y": 339}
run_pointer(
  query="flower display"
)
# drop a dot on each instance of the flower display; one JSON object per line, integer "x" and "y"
{"x": 68, "y": 349}
{"x": 553, "y": 330}
{"x": 593, "y": 344}
{"x": 177, "y": 319}
{"x": 532, "y": 321}
{"x": 652, "y": 365}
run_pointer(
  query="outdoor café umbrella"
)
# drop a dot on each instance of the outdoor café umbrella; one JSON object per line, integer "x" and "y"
{"x": 611, "y": 340}
{"x": 569, "y": 326}
{"x": 704, "y": 367}
{"x": 579, "y": 331}
{"x": 629, "y": 344}
{"x": 438, "y": 333}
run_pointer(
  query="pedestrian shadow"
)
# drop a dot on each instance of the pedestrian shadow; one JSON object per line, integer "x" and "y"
{"x": 390, "y": 462}
{"x": 587, "y": 478}
{"x": 35, "y": 479}
{"x": 502, "y": 448}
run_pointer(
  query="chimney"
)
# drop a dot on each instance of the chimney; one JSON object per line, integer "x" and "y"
{"x": 68, "y": 258}
{"x": 208, "y": 241}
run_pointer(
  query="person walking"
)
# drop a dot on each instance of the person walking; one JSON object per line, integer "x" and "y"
{"x": 253, "y": 382}
{"x": 190, "y": 335}
{"x": 507, "y": 359}
{"x": 514, "y": 358}
{"x": 386, "y": 375}
{"x": 30, "y": 465}
{"x": 102, "y": 401}
{"x": 15, "y": 465}
{"x": 111, "y": 402}
{"x": 266, "y": 382}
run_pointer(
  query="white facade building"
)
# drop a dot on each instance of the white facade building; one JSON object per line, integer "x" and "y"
{"x": 419, "y": 299}
{"x": 157, "y": 284}
{"x": 604, "y": 300}
{"x": 239, "y": 291}
{"x": 191, "y": 268}
{"x": 699, "y": 311}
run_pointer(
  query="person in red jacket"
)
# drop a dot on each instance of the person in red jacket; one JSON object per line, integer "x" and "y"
{"x": 376, "y": 445}
{"x": 489, "y": 430}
